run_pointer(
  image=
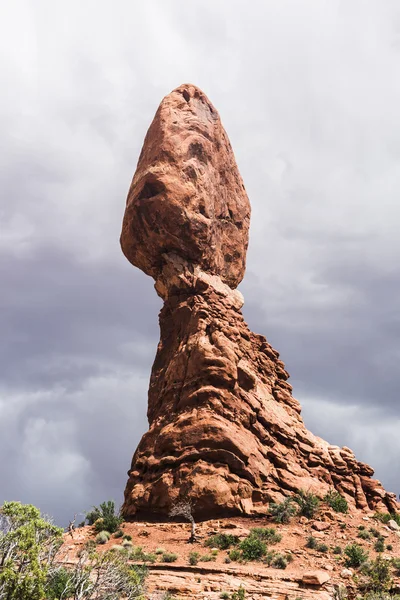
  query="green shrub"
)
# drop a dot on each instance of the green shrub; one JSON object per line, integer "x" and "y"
{"x": 253, "y": 548}
{"x": 396, "y": 566}
{"x": 312, "y": 542}
{"x": 379, "y": 545}
{"x": 379, "y": 575}
{"x": 127, "y": 537}
{"x": 169, "y": 557}
{"x": 356, "y": 555}
{"x": 364, "y": 535}
{"x": 342, "y": 525}
{"x": 102, "y": 537}
{"x": 279, "y": 562}
{"x": 337, "y": 502}
{"x": 235, "y": 554}
{"x": 222, "y": 541}
{"x": 322, "y": 548}
{"x": 159, "y": 551}
{"x": 207, "y": 558}
{"x": 374, "y": 532}
{"x": 308, "y": 503}
{"x": 337, "y": 550}
{"x": 193, "y": 558}
{"x": 119, "y": 534}
{"x": 224, "y": 596}
{"x": 239, "y": 595}
{"x": 267, "y": 534}
{"x": 386, "y": 517}
{"x": 282, "y": 512}
{"x": 103, "y": 517}
{"x": 389, "y": 547}
{"x": 58, "y": 583}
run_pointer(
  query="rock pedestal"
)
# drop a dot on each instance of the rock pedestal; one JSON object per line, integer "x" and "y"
{"x": 224, "y": 429}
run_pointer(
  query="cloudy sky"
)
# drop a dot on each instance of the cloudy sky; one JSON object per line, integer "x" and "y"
{"x": 309, "y": 92}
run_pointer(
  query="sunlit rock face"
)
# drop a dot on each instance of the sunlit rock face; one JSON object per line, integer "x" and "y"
{"x": 224, "y": 429}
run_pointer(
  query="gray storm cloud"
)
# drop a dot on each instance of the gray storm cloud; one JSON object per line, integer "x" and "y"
{"x": 309, "y": 97}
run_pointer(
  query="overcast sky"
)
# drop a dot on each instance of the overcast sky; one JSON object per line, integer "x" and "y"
{"x": 309, "y": 93}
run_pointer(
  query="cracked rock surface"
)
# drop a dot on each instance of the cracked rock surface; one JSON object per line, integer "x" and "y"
{"x": 225, "y": 431}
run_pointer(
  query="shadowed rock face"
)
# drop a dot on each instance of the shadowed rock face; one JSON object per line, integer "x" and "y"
{"x": 225, "y": 430}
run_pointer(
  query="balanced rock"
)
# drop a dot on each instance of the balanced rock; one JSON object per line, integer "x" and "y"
{"x": 225, "y": 431}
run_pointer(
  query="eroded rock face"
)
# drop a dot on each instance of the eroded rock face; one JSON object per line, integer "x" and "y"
{"x": 225, "y": 430}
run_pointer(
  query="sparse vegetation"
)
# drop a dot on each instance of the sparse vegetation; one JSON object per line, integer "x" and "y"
{"x": 386, "y": 517}
{"x": 194, "y": 558}
{"x": 279, "y": 561}
{"x": 235, "y": 554}
{"x": 102, "y": 537}
{"x": 104, "y": 517}
{"x": 267, "y": 534}
{"x": 222, "y": 541}
{"x": 379, "y": 545}
{"x": 364, "y": 535}
{"x": 337, "y": 502}
{"x": 337, "y": 550}
{"x": 356, "y": 555}
{"x": 322, "y": 548}
{"x": 378, "y": 571}
{"x": 169, "y": 557}
{"x": 312, "y": 542}
{"x": 282, "y": 512}
{"x": 252, "y": 548}
{"x": 308, "y": 503}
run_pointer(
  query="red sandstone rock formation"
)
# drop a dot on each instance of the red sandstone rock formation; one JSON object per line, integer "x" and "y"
{"x": 225, "y": 430}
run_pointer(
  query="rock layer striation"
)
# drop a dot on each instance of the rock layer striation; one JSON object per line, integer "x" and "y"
{"x": 225, "y": 431}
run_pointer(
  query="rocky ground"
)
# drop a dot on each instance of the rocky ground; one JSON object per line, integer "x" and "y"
{"x": 311, "y": 573}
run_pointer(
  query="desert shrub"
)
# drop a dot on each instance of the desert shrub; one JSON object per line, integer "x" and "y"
{"x": 312, "y": 542}
{"x": 59, "y": 584}
{"x": 364, "y": 535}
{"x": 159, "y": 551}
{"x": 222, "y": 541}
{"x": 336, "y": 501}
{"x": 102, "y": 537}
{"x": 138, "y": 554}
{"x": 308, "y": 503}
{"x": 282, "y": 512}
{"x": 337, "y": 550}
{"x": 374, "y": 532}
{"x": 379, "y": 575}
{"x": 169, "y": 557}
{"x": 224, "y": 596}
{"x": 127, "y": 537}
{"x": 28, "y": 545}
{"x": 379, "y": 545}
{"x": 253, "y": 548}
{"x": 127, "y": 544}
{"x": 386, "y": 517}
{"x": 235, "y": 554}
{"x": 279, "y": 562}
{"x": 104, "y": 517}
{"x": 119, "y": 534}
{"x": 396, "y": 566}
{"x": 207, "y": 558}
{"x": 267, "y": 534}
{"x": 356, "y": 555}
{"x": 193, "y": 558}
{"x": 380, "y": 596}
{"x": 342, "y": 525}
{"x": 389, "y": 547}
{"x": 322, "y": 548}
{"x": 239, "y": 595}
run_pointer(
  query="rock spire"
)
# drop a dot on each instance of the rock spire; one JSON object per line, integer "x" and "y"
{"x": 225, "y": 431}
